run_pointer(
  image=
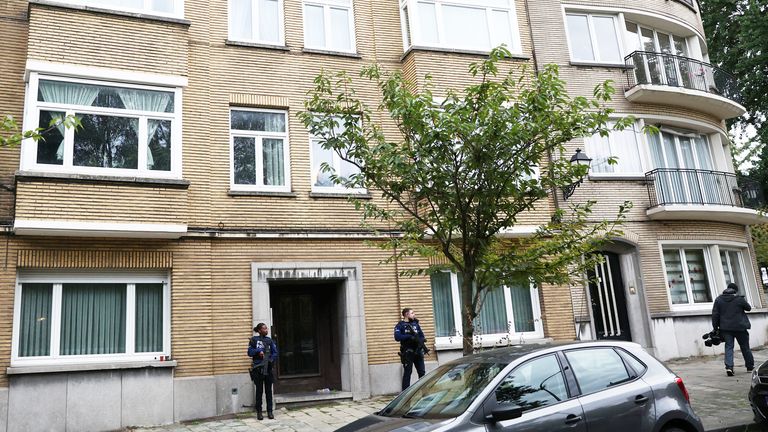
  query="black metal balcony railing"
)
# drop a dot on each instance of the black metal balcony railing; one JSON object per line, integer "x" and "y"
{"x": 692, "y": 186}
{"x": 676, "y": 71}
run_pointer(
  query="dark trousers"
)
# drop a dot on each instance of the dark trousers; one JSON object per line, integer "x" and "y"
{"x": 263, "y": 385}
{"x": 411, "y": 360}
{"x": 742, "y": 337}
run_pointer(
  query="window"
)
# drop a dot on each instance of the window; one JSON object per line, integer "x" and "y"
{"x": 171, "y": 8}
{"x": 693, "y": 275}
{"x": 126, "y": 130}
{"x": 321, "y": 178}
{"x": 593, "y": 38}
{"x": 670, "y": 66}
{"x": 80, "y": 318}
{"x": 329, "y": 25}
{"x": 534, "y": 384}
{"x": 472, "y": 25}
{"x": 623, "y": 145}
{"x": 510, "y": 310}
{"x": 259, "y": 21}
{"x": 597, "y": 368}
{"x": 259, "y": 140}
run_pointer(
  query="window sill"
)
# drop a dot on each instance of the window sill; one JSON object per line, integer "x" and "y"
{"x": 703, "y": 312}
{"x": 332, "y": 53}
{"x": 256, "y": 45}
{"x": 343, "y": 195}
{"x": 456, "y": 344}
{"x": 84, "y": 367}
{"x": 413, "y": 48}
{"x": 618, "y": 177}
{"x": 26, "y": 176}
{"x": 236, "y": 193}
{"x": 107, "y": 11}
{"x": 603, "y": 65}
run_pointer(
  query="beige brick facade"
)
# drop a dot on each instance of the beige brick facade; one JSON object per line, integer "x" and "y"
{"x": 212, "y": 284}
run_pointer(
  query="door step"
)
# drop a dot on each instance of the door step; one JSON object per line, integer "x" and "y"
{"x": 310, "y": 398}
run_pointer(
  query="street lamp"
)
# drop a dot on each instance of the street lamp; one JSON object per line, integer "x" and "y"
{"x": 578, "y": 158}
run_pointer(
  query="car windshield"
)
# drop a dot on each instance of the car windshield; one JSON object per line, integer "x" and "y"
{"x": 444, "y": 393}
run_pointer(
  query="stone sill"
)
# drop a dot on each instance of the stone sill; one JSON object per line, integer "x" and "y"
{"x": 256, "y": 45}
{"x": 342, "y": 195}
{"x": 25, "y": 176}
{"x": 603, "y": 65}
{"x": 706, "y": 312}
{"x": 332, "y": 53}
{"x": 237, "y": 193}
{"x": 414, "y": 48}
{"x": 490, "y": 344}
{"x": 85, "y": 367}
{"x": 107, "y": 11}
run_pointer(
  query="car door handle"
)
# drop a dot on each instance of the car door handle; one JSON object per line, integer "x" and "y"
{"x": 572, "y": 418}
{"x": 641, "y": 399}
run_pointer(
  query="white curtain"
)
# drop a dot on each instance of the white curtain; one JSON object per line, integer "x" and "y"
{"x": 67, "y": 93}
{"x": 144, "y": 100}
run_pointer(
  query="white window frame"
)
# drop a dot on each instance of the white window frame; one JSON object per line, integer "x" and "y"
{"x": 455, "y": 341}
{"x": 32, "y": 118}
{"x": 146, "y": 10}
{"x": 58, "y": 279}
{"x": 327, "y": 5}
{"x": 259, "y": 137}
{"x": 337, "y": 162}
{"x": 255, "y": 28}
{"x": 714, "y": 269}
{"x": 617, "y": 22}
{"x": 412, "y": 36}
{"x": 641, "y": 143}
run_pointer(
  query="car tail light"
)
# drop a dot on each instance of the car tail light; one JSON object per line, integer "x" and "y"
{"x": 681, "y": 385}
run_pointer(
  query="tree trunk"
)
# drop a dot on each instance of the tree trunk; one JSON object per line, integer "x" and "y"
{"x": 467, "y": 312}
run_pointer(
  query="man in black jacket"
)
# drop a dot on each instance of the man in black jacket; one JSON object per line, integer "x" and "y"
{"x": 729, "y": 316}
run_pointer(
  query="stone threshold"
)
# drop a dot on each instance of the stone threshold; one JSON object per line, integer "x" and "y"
{"x": 310, "y": 398}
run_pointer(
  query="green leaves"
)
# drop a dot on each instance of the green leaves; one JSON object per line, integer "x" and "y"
{"x": 462, "y": 171}
{"x": 11, "y": 135}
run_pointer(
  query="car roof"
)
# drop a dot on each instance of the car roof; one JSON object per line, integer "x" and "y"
{"x": 508, "y": 354}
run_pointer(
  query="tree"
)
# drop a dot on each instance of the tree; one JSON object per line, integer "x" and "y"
{"x": 737, "y": 37}
{"x": 11, "y": 135}
{"x": 463, "y": 170}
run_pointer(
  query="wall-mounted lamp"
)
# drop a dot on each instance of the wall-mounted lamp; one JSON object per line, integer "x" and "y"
{"x": 578, "y": 158}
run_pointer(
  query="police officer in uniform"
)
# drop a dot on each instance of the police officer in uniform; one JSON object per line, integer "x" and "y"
{"x": 263, "y": 350}
{"x": 412, "y": 345}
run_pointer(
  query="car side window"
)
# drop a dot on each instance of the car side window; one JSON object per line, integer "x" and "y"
{"x": 597, "y": 368}
{"x": 633, "y": 362}
{"x": 534, "y": 384}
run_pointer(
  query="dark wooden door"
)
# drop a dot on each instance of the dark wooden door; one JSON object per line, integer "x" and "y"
{"x": 307, "y": 335}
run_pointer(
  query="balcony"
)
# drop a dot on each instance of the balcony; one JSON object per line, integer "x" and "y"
{"x": 691, "y": 194}
{"x": 668, "y": 79}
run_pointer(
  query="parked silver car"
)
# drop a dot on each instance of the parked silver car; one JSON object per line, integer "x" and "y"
{"x": 604, "y": 386}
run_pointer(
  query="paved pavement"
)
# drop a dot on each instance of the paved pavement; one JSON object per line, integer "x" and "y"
{"x": 721, "y": 402}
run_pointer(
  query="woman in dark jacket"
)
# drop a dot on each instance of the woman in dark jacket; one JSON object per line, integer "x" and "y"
{"x": 729, "y": 316}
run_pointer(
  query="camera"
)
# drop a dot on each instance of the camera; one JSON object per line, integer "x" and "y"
{"x": 712, "y": 338}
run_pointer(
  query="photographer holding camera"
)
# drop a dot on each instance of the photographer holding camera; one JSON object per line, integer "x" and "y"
{"x": 412, "y": 345}
{"x": 729, "y": 316}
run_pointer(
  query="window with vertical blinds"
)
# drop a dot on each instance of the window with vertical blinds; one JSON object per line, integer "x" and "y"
{"x": 83, "y": 318}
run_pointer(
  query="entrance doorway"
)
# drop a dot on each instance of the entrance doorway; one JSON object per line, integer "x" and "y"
{"x": 609, "y": 304}
{"x": 306, "y": 330}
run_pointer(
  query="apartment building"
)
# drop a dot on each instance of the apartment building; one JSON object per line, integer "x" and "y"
{"x": 140, "y": 249}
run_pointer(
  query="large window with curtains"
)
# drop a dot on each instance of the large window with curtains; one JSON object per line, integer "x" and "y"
{"x": 259, "y": 140}
{"x": 126, "y": 130}
{"x": 508, "y": 313}
{"x": 82, "y": 318}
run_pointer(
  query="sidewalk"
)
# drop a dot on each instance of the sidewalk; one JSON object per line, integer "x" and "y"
{"x": 721, "y": 402}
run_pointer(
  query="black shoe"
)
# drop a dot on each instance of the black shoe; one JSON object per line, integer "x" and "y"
{"x": 750, "y": 369}
{"x": 270, "y": 415}
{"x": 729, "y": 372}
{"x": 259, "y": 416}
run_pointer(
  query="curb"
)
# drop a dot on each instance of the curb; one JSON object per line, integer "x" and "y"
{"x": 746, "y": 427}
